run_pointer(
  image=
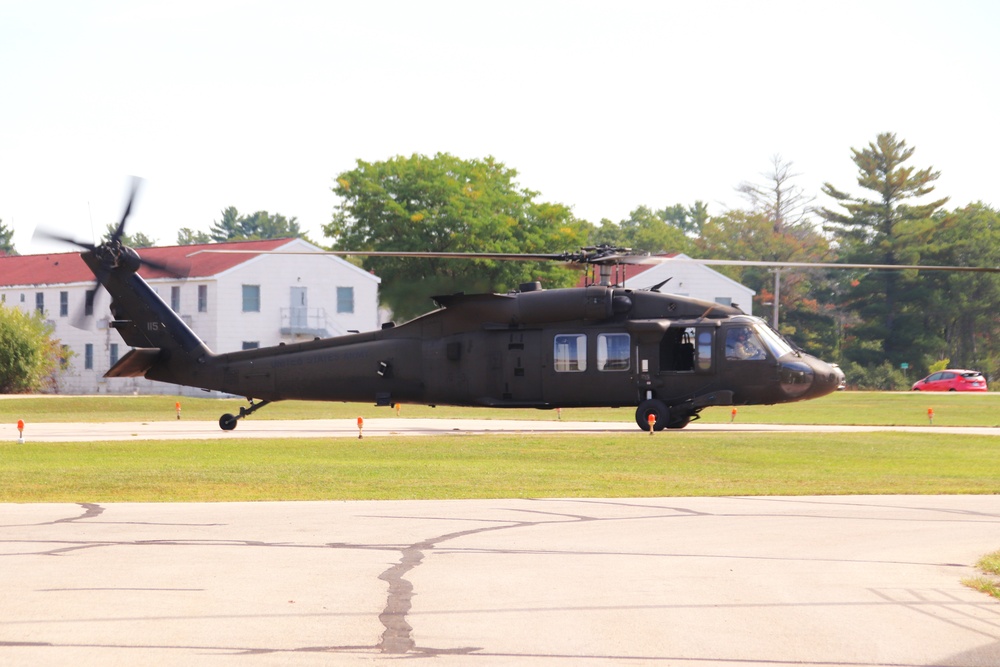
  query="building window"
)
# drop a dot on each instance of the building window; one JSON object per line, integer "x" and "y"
{"x": 613, "y": 352}
{"x": 113, "y": 355}
{"x": 88, "y": 302}
{"x": 63, "y": 304}
{"x": 251, "y": 298}
{"x": 175, "y": 298}
{"x": 724, "y": 300}
{"x": 345, "y": 299}
{"x": 202, "y": 298}
{"x": 251, "y": 344}
{"x": 88, "y": 356}
{"x": 40, "y": 302}
{"x": 570, "y": 353}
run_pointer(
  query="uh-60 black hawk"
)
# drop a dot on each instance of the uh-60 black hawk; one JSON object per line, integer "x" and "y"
{"x": 601, "y": 345}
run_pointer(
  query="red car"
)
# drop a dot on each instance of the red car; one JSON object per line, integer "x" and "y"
{"x": 952, "y": 380}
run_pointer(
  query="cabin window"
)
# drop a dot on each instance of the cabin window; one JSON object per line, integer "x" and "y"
{"x": 63, "y": 304}
{"x": 570, "y": 353}
{"x": 345, "y": 299}
{"x": 251, "y": 298}
{"x": 613, "y": 352}
{"x": 202, "y": 298}
{"x": 704, "y": 350}
{"x": 88, "y": 356}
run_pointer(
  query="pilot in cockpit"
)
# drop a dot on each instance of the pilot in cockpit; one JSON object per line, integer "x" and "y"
{"x": 743, "y": 344}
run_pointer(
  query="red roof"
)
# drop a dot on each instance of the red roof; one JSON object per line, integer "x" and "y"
{"x": 67, "y": 267}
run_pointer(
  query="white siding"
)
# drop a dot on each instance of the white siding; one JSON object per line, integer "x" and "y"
{"x": 695, "y": 280}
{"x": 223, "y": 327}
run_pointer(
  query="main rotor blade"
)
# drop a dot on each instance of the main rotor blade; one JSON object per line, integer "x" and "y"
{"x": 652, "y": 259}
{"x": 505, "y": 256}
{"x": 613, "y": 258}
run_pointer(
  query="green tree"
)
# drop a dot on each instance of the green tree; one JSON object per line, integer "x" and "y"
{"x": 446, "y": 204}
{"x": 259, "y": 225}
{"x": 6, "y": 242}
{"x": 188, "y": 236}
{"x": 884, "y": 229}
{"x": 963, "y": 330}
{"x": 137, "y": 240}
{"x": 28, "y": 355}
{"x": 688, "y": 219}
{"x": 648, "y": 231}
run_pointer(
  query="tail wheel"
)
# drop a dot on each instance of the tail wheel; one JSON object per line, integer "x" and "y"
{"x": 227, "y": 422}
{"x": 655, "y": 407}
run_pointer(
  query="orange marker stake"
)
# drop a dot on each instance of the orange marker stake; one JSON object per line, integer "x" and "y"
{"x": 361, "y": 425}
{"x": 652, "y": 422}
{"x": 20, "y": 431}
{"x": 930, "y": 416}
{"x": 732, "y": 416}
{"x": 177, "y": 406}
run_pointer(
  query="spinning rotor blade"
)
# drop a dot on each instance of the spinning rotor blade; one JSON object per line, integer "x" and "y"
{"x": 651, "y": 259}
{"x": 120, "y": 229}
{"x": 607, "y": 255}
{"x": 52, "y": 236}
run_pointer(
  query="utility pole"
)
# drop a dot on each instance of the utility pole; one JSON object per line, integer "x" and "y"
{"x": 777, "y": 298}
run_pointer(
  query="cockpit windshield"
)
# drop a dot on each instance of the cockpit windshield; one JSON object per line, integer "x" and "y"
{"x": 778, "y": 346}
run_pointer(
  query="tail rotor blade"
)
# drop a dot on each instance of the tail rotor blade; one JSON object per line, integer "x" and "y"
{"x": 120, "y": 229}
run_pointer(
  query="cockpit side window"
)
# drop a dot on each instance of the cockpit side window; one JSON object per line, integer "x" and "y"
{"x": 743, "y": 344}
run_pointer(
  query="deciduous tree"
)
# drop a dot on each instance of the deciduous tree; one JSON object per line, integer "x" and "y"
{"x": 447, "y": 204}
{"x": 28, "y": 355}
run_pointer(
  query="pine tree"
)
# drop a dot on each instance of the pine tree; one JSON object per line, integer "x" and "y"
{"x": 884, "y": 230}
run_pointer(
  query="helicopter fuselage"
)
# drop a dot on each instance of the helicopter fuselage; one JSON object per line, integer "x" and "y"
{"x": 670, "y": 356}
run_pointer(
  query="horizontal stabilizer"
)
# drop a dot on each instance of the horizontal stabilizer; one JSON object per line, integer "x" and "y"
{"x": 135, "y": 363}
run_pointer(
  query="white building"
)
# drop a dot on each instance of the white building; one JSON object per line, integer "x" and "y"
{"x": 232, "y": 301}
{"x": 688, "y": 278}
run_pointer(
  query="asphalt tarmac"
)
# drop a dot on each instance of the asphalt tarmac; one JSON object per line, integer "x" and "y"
{"x": 851, "y": 580}
{"x": 668, "y": 581}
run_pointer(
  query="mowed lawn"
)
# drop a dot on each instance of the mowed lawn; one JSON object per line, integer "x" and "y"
{"x": 629, "y": 464}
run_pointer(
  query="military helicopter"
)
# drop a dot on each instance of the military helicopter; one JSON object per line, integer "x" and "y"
{"x": 601, "y": 345}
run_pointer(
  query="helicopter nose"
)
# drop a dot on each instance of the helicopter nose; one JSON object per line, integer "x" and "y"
{"x": 808, "y": 377}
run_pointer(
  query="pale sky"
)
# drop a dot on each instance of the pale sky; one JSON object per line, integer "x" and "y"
{"x": 602, "y": 106}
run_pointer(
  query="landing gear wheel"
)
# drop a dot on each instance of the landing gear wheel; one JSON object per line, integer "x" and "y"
{"x": 227, "y": 422}
{"x": 652, "y": 406}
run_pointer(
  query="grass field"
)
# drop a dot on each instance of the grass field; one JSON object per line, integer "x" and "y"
{"x": 865, "y": 408}
{"x": 507, "y": 466}
{"x": 627, "y": 464}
